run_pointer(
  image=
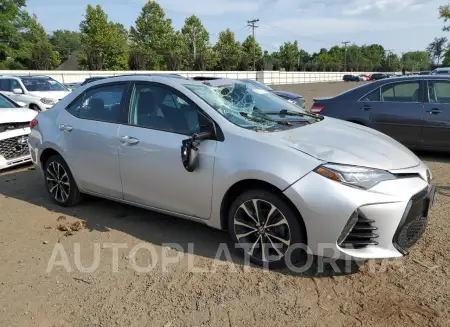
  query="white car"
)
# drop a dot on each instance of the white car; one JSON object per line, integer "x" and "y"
{"x": 14, "y": 131}
{"x": 37, "y": 92}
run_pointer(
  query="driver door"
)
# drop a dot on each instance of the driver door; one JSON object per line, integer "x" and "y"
{"x": 152, "y": 173}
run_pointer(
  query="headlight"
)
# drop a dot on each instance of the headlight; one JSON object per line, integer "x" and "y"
{"x": 49, "y": 102}
{"x": 361, "y": 177}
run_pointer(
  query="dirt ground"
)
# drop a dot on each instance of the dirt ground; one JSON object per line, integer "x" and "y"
{"x": 411, "y": 291}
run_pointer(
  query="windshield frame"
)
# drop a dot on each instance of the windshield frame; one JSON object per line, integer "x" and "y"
{"x": 14, "y": 104}
{"x": 47, "y": 79}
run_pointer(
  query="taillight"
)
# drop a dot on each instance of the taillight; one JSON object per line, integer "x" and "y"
{"x": 33, "y": 123}
{"x": 317, "y": 109}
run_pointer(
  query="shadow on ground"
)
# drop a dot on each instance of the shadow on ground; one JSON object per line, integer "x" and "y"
{"x": 103, "y": 215}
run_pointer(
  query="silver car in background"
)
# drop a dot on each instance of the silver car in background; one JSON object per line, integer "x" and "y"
{"x": 236, "y": 158}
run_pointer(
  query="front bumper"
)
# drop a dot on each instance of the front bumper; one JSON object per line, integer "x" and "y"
{"x": 397, "y": 210}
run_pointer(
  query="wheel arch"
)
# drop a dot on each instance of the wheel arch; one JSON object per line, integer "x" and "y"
{"x": 250, "y": 184}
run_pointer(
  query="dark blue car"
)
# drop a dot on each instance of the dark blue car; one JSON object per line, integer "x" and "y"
{"x": 414, "y": 110}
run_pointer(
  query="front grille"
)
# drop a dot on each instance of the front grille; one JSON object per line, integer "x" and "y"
{"x": 14, "y": 147}
{"x": 414, "y": 221}
{"x": 362, "y": 234}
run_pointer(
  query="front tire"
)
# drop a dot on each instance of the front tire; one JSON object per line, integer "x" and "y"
{"x": 265, "y": 227}
{"x": 60, "y": 183}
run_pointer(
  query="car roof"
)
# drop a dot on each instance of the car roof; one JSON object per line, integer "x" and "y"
{"x": 149, "y": 78}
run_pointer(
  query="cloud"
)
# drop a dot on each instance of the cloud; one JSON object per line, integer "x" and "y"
{"x": 212, "y": 8}
{"x": 348, "y": 7}
{"x": 358, "y": 7}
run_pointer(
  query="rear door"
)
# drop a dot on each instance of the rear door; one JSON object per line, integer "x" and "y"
{"x": 436, "y": 130}
{"x": 88, "y": 135}
{"x": 399, "y": 111}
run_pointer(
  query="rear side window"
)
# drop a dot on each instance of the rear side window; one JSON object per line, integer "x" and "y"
{"x": 103, "y": 103}
{"x": 372, "y": 96}
{"x": 439, "y": 91}
{"x": 401, "y": 92}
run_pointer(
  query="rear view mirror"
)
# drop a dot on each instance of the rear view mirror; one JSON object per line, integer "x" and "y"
{"x": 18, "y": 91}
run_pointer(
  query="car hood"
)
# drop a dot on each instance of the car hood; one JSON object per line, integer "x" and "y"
{"x": 16, "y": 115}
{"x": 337, "y": 141}
{"x": 288, "y": 95}
{"x": 56, "y": 95}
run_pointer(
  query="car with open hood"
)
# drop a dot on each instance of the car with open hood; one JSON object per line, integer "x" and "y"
{"x": 14, "y": 129}
{"x": 238, "y": 158}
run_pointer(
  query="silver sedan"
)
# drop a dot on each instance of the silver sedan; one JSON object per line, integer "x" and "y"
{"x": 280, "y": 180}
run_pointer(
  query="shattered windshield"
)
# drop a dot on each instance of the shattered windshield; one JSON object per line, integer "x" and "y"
{"x": 250, "y": 107}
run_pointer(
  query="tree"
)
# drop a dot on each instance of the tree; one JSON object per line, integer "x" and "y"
{"x": 444, "y": 13}
{"x": 152, "y": 34}
{"x": 437, "y": 48}
{"x": 197, "y": 41}
{"x": 137, "y": 59}
{"x": 416, "y": 60}
{"x": 251, "y": 50}
{"x": 13, "y": 20}
{"x": 289, "y": 55}
{"x": 40, "y": 53}
{"x": 228, "y": 50}
{"x": 65, "y": 42}
{"x": 105, "y": 44}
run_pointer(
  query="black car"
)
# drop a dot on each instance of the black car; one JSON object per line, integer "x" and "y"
{"x": 350, "y": 78}
{"x": 378, "y": 76}
{"x": 414, "y": 110}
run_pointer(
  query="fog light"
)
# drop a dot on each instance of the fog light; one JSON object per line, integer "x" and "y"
{"x": 348, "y": 227}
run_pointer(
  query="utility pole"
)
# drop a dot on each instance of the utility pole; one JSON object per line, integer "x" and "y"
{"x": 251, "y": 23}
{"x": 345, "y": 53}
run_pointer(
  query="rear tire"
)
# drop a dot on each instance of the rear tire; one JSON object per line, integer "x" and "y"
{"x": 265, "y": 227}
{"x": 59, "y": 182}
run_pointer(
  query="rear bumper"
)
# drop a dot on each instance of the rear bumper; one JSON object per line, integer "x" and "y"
{"x": 327, "y": 206}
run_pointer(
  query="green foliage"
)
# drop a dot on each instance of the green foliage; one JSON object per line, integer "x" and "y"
{"x": 437, "y": 48}
{"x": 153, "y": 44}
{"x": 196, "y": 41}
{"x": 104, "y": 43}
{"x": 228, "y": 50}
{"x": 65, "y": 42}
{"x": 251, "y": 50}
{"x": 416, "y": 60}
{"x": 154, "y": 34}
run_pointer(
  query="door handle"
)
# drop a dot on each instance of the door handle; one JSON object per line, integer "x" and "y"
{"x": 434, "y": 111}
{"x": 128, "y": 140}
{"x": 366, "y": 107}
{"x": 65, "y": 128}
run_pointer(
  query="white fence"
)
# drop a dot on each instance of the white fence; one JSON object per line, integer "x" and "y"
{"x": 267, "y": 77}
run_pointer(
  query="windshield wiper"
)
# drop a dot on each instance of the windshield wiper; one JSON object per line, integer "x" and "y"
{"x": 263, "y": 118}
{"x": 285, "y": 112}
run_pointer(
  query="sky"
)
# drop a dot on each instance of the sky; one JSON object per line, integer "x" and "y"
{"x": 399, "y": 25}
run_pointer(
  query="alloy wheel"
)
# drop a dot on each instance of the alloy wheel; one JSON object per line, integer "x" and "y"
{"x": 58, "y": 182}
{"x": 262, "y": 230}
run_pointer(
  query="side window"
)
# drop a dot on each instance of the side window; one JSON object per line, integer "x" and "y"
{"x": 162, "y": 108}
{"x": 15, "y": 85}
{"x": 372, "y": 96}
{"x": 4, "y": 85}
{"x": 439, "y": 92}
{"x": 102, "y": 103}
{"x": 401, "y": 92}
